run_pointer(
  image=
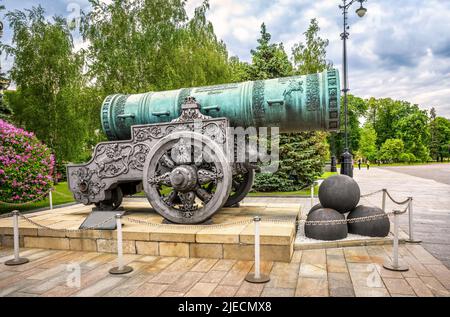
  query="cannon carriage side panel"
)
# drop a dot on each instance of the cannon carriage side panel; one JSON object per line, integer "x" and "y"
{"x": 122, "y": 162}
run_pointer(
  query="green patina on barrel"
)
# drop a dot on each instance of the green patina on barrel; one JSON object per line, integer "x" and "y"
{"x": 293, "y": 104}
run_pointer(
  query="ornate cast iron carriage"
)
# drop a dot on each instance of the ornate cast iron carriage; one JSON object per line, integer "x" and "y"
{"x": 175, "y": 145}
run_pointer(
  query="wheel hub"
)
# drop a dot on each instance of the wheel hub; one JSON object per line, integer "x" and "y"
{"x": 184, "y": 178}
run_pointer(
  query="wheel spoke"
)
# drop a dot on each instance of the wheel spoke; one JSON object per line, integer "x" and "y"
{"x": 204, "y": 176}
{"x": 167, "y": 161}
{"x": 170, "y": 199}
{"x": 163, "y": 179}
{"x": 187, "y": 199}
{"x": 204, "y": 195}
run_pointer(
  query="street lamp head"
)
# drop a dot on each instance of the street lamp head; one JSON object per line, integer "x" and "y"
{"x": 361, "y": 11}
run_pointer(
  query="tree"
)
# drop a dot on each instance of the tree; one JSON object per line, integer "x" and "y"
{"x": 391, "y": 150}
{"x": 402, "y": 120}
{"x": 143, "y": 45}
{"x": 239, "y": 71}
{"x": 367, "y": 142}
{"x": 269, "y": 60}
{"x": 48, "y": 75}
{"x": 302, "y": 155}
{"x": 440, "y": 132}
{"x": 357, "y": 108}
{"x": 310, "y": 57}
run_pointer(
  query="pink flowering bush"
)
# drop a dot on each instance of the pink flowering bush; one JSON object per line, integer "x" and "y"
{"x": 26, "y": 165}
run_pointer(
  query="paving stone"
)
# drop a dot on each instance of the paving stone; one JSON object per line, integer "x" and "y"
{"x": 204, "y": 265}
{"x": 435, "y": 286}
{"x": 371, "y": 292}
{"x": 249, "y": 290}
{"x": 213, "y": 276}
{"x": 224, "y": 291}
{"x": 237, "y": 273}
{"x": 129, "y": 285}
{"x": 223, "y": 265}
{"x": 101, "y": 287}
{"x": 419, "y": 287}
{"x": 357, "y": 254}
{"x": 201, "y": 290}
{"x": 149, "y": 290}
{"x": 185, "y": 282}
{"x": 398, "y": 286}
{"x": 340, "y": 285}
{"x": 441, "y": 273}
{"x": 284, "y": 275}
{"x": 278, "y": 292}
{"x": 315, "y": 287}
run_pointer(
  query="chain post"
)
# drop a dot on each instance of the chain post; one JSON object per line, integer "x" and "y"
{"x": 383, "y": 201}
{"x": 50, "y": 198}
{"x": 394, "y": 265}
{"x": 411, "y": 223}
{"x": 312, "y": 194}
{"x": 257, "y": 277}
{"x": 120, "y": 269}
{"x": 17, "y": 259}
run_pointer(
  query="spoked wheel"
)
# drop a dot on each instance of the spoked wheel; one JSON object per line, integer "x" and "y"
{"x": 187, "y": 177}
{"x": 241, "y": 185}
{"x": 113, "y": 203}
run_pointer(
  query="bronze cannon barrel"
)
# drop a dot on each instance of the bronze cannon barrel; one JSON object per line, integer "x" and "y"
{"x": 293, "y": 104}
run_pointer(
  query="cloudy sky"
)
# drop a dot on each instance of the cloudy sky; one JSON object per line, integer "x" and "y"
{"x": 400, "y": 49}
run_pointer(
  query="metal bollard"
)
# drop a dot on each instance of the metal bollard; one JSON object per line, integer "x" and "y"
{"x": 312, "y": 194}
{"x": 17, "y": 259}
{"x": 120, "y": 269}
{"x": 257, "y": 277}
{"x": 394, "y": 265}
{"x": 50, "y": 197}
{"x": 411, "y": 223}
{"x": 383, "y": 200}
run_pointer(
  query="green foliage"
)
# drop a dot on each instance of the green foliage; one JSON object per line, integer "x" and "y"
{"x": 302, "y": 155}
{"x": 401, "y": 120}
{"x": 269, "y": 60}
{"x": 49, "y": 79}
{"x": 239, "y": 71}
{"x": 26, "y": 165}
{"x": 367, "y": 142}
{"x": 143, "y": 45}
{"x": 440, "y": 137}
{"x": 310, "y": 57}
{"x": 357, "y": 108}
{"x": 391, "y": 150}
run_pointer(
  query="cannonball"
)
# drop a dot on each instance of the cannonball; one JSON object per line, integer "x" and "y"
{"x": 325, "y": 231}
{"x": 315, "y": 207}
{"x": 339, "y": 192}
{"x": 378, "y": 227}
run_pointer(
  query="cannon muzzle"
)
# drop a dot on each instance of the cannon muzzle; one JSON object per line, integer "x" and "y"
{"x": 294, "y": 104}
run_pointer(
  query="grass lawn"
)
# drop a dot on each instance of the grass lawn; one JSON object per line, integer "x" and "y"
{"x": 61, "y": 195}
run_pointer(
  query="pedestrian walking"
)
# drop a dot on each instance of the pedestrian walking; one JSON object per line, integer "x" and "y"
{"x": 368, "y": 164}
{"x": 359, "y": 164}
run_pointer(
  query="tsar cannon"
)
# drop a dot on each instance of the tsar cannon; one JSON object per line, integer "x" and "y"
{"x": 175, "y": 145}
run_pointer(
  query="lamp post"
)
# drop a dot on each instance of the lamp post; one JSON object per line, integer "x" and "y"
{"x": 346, "y": 158}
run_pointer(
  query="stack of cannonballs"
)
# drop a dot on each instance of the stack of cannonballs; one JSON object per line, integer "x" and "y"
{"x": 339, "y": 195}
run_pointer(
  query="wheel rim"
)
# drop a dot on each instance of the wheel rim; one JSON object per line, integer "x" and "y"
{"x": 241, "y": 185}
{"x": 177, "y": 172}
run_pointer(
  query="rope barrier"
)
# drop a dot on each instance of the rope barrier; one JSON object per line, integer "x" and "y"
{"x": 397, "y": 202}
